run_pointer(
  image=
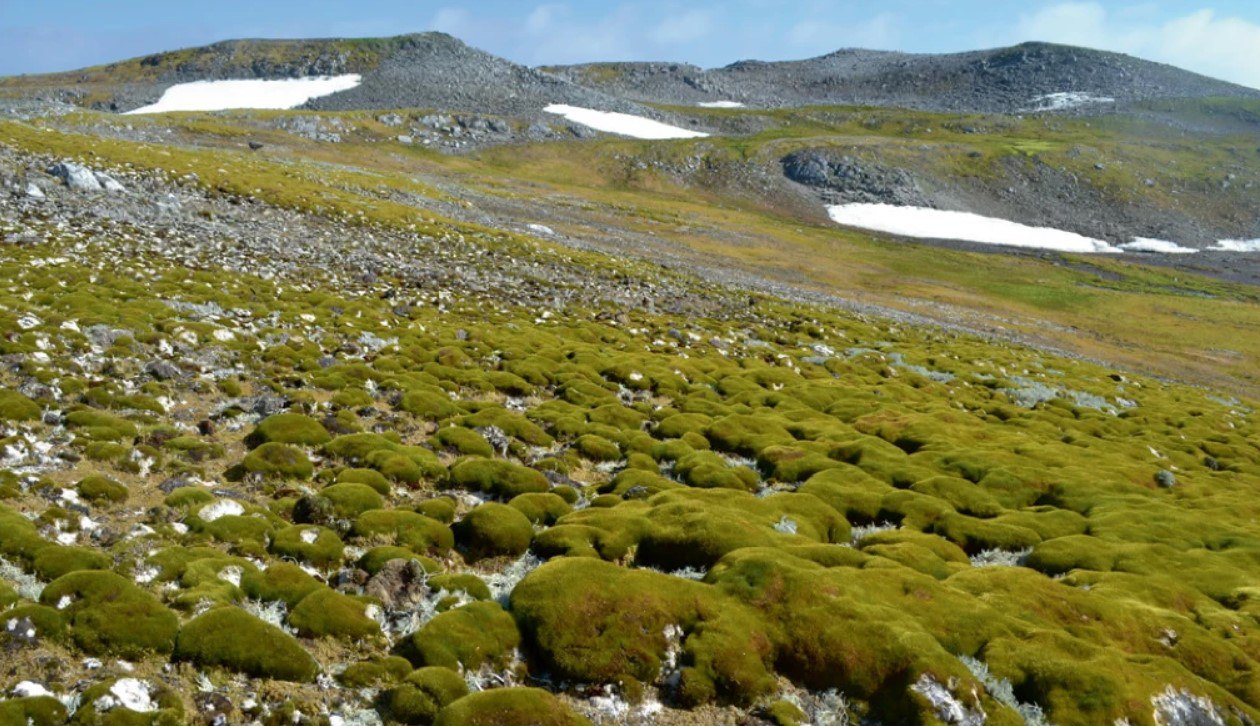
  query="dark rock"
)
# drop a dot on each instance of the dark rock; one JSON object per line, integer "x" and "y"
{"x": 163, "y": 370}
{"x": 399, "y": 584}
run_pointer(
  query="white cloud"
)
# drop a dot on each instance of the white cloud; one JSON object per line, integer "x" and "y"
{"x": 685, "y": 28}
{"x": 450, "y": 20}
{"x": 542, "y": 18}
{"x": 880, "y": 32}
{"x": 1203, "y": 41}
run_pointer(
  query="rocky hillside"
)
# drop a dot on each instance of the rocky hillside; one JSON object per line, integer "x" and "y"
{"x": 1007, "y": 80}
{"x": 462, "y": 416}
{"x": 426, "y": 70}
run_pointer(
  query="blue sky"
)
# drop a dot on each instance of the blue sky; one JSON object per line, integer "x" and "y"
{"x": 1217, "y": 37}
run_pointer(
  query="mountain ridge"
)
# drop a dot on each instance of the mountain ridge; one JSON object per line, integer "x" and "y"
{"x": 424, "y": 70}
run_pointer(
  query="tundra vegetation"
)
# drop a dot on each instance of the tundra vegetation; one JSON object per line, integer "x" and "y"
{"x": 467, "y": 507}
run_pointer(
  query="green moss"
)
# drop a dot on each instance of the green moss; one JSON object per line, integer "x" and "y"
{"x": 282, "y": 581}
{"x": 597, "y": 448}
{"x": 785, "y": 713}
{"x": 441, "y": 508}
{"x": 188, "y": 497}
{"x": 16, "y": 407}
{"x": 471, "y": 585}
{"x": 509, "y": 707}
{"x": 36, "y": 711}
{"x": 512, "y": 424}
{"x": 54, "y": 561}
{"x": 707, "y": 470}
{"x": 100, "y": 426}
{"x": 279, "y": 461}
{"x": 326, "y": 613}
{"x": 324, "y": 549}
{"x": 464, "y": 441}
{"x": 368, "y": 477}
{"x": 375, "y": 672}
{"x": 408, "y": 529}
{"x": 230, "y": 638}
{"x": 541, "y": 508}
{"x": 350, "y": 500}
{"x": 430, "y": 405}
{"x": 374, "y": 559}
{"x": 422, "y": 694}
{"x": 49, "y": 622}
{"x": 108, "y": 615}
{"x": 747, "y": 434}
{"x": 100, "y": 489}
{"x": 493, "y": 530}
{"x": 469, "y": 637}
{"x": 503, "y": 479}
{"x": 290, "y": 428}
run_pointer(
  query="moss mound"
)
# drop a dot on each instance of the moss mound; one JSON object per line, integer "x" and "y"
{"x": 326, "y": 613}
{"x": 279, "y": 461}
{"x": 416, "y": 532}
{"x": 289, "y": 428}
{"x": 471, "y": 636}
{"x": 16, "y": 407}
{"x": 230, "y": 638}
{"x": 109, "y": 615}
{"x": 503, "y": 479}
{"x": 423, "y": 693}
{"x": 509, "y": 707}
{"x": 493, "y": 530}
{"x": 100, "y": 489}
{"x": 33, "y": 711}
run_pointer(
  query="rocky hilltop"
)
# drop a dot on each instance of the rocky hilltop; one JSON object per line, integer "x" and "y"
{"x": 424, "y": 70}
{"x": 1006, "y": 80}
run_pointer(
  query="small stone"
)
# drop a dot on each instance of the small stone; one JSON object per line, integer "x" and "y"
{"x": 109, "y": 183}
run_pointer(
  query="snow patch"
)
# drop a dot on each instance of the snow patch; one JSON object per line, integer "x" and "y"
{"x": 223, "y": 95}
{"x": 221, "y": 508}
{"x": 1145, "y": 244}
{"x": 1065, "y": 100}
{"x": 132, "y": 694}
{"x": 30, "y": 689}
{"x": 1238, "y": 245}
{"x": 720, "y": 104}
{"x": 622, "y": 123}
{"x": 962, "y": 226}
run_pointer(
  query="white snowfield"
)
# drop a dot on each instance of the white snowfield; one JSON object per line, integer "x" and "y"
{"x": 1146, "y": 244}
{"x": 720, "y": 104}
{"x": 224, "y": 95}
{"x": 1237, "y": 245}
{"x": 961, "y": 226}
{"x": 624, "y": 124}
{"x": 1068, "y": 99}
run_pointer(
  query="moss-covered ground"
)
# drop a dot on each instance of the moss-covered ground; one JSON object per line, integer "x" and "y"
{"x": 755, "y": 509}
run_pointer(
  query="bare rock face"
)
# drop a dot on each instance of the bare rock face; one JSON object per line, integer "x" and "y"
{"x": 78, "y": 178}
{"x": 843, "y": 179}
{"x": 399, "y": 584}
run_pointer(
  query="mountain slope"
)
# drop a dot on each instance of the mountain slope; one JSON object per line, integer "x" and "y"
{"x": 1004, "y": 80}
{"x": 425, "y": 70}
